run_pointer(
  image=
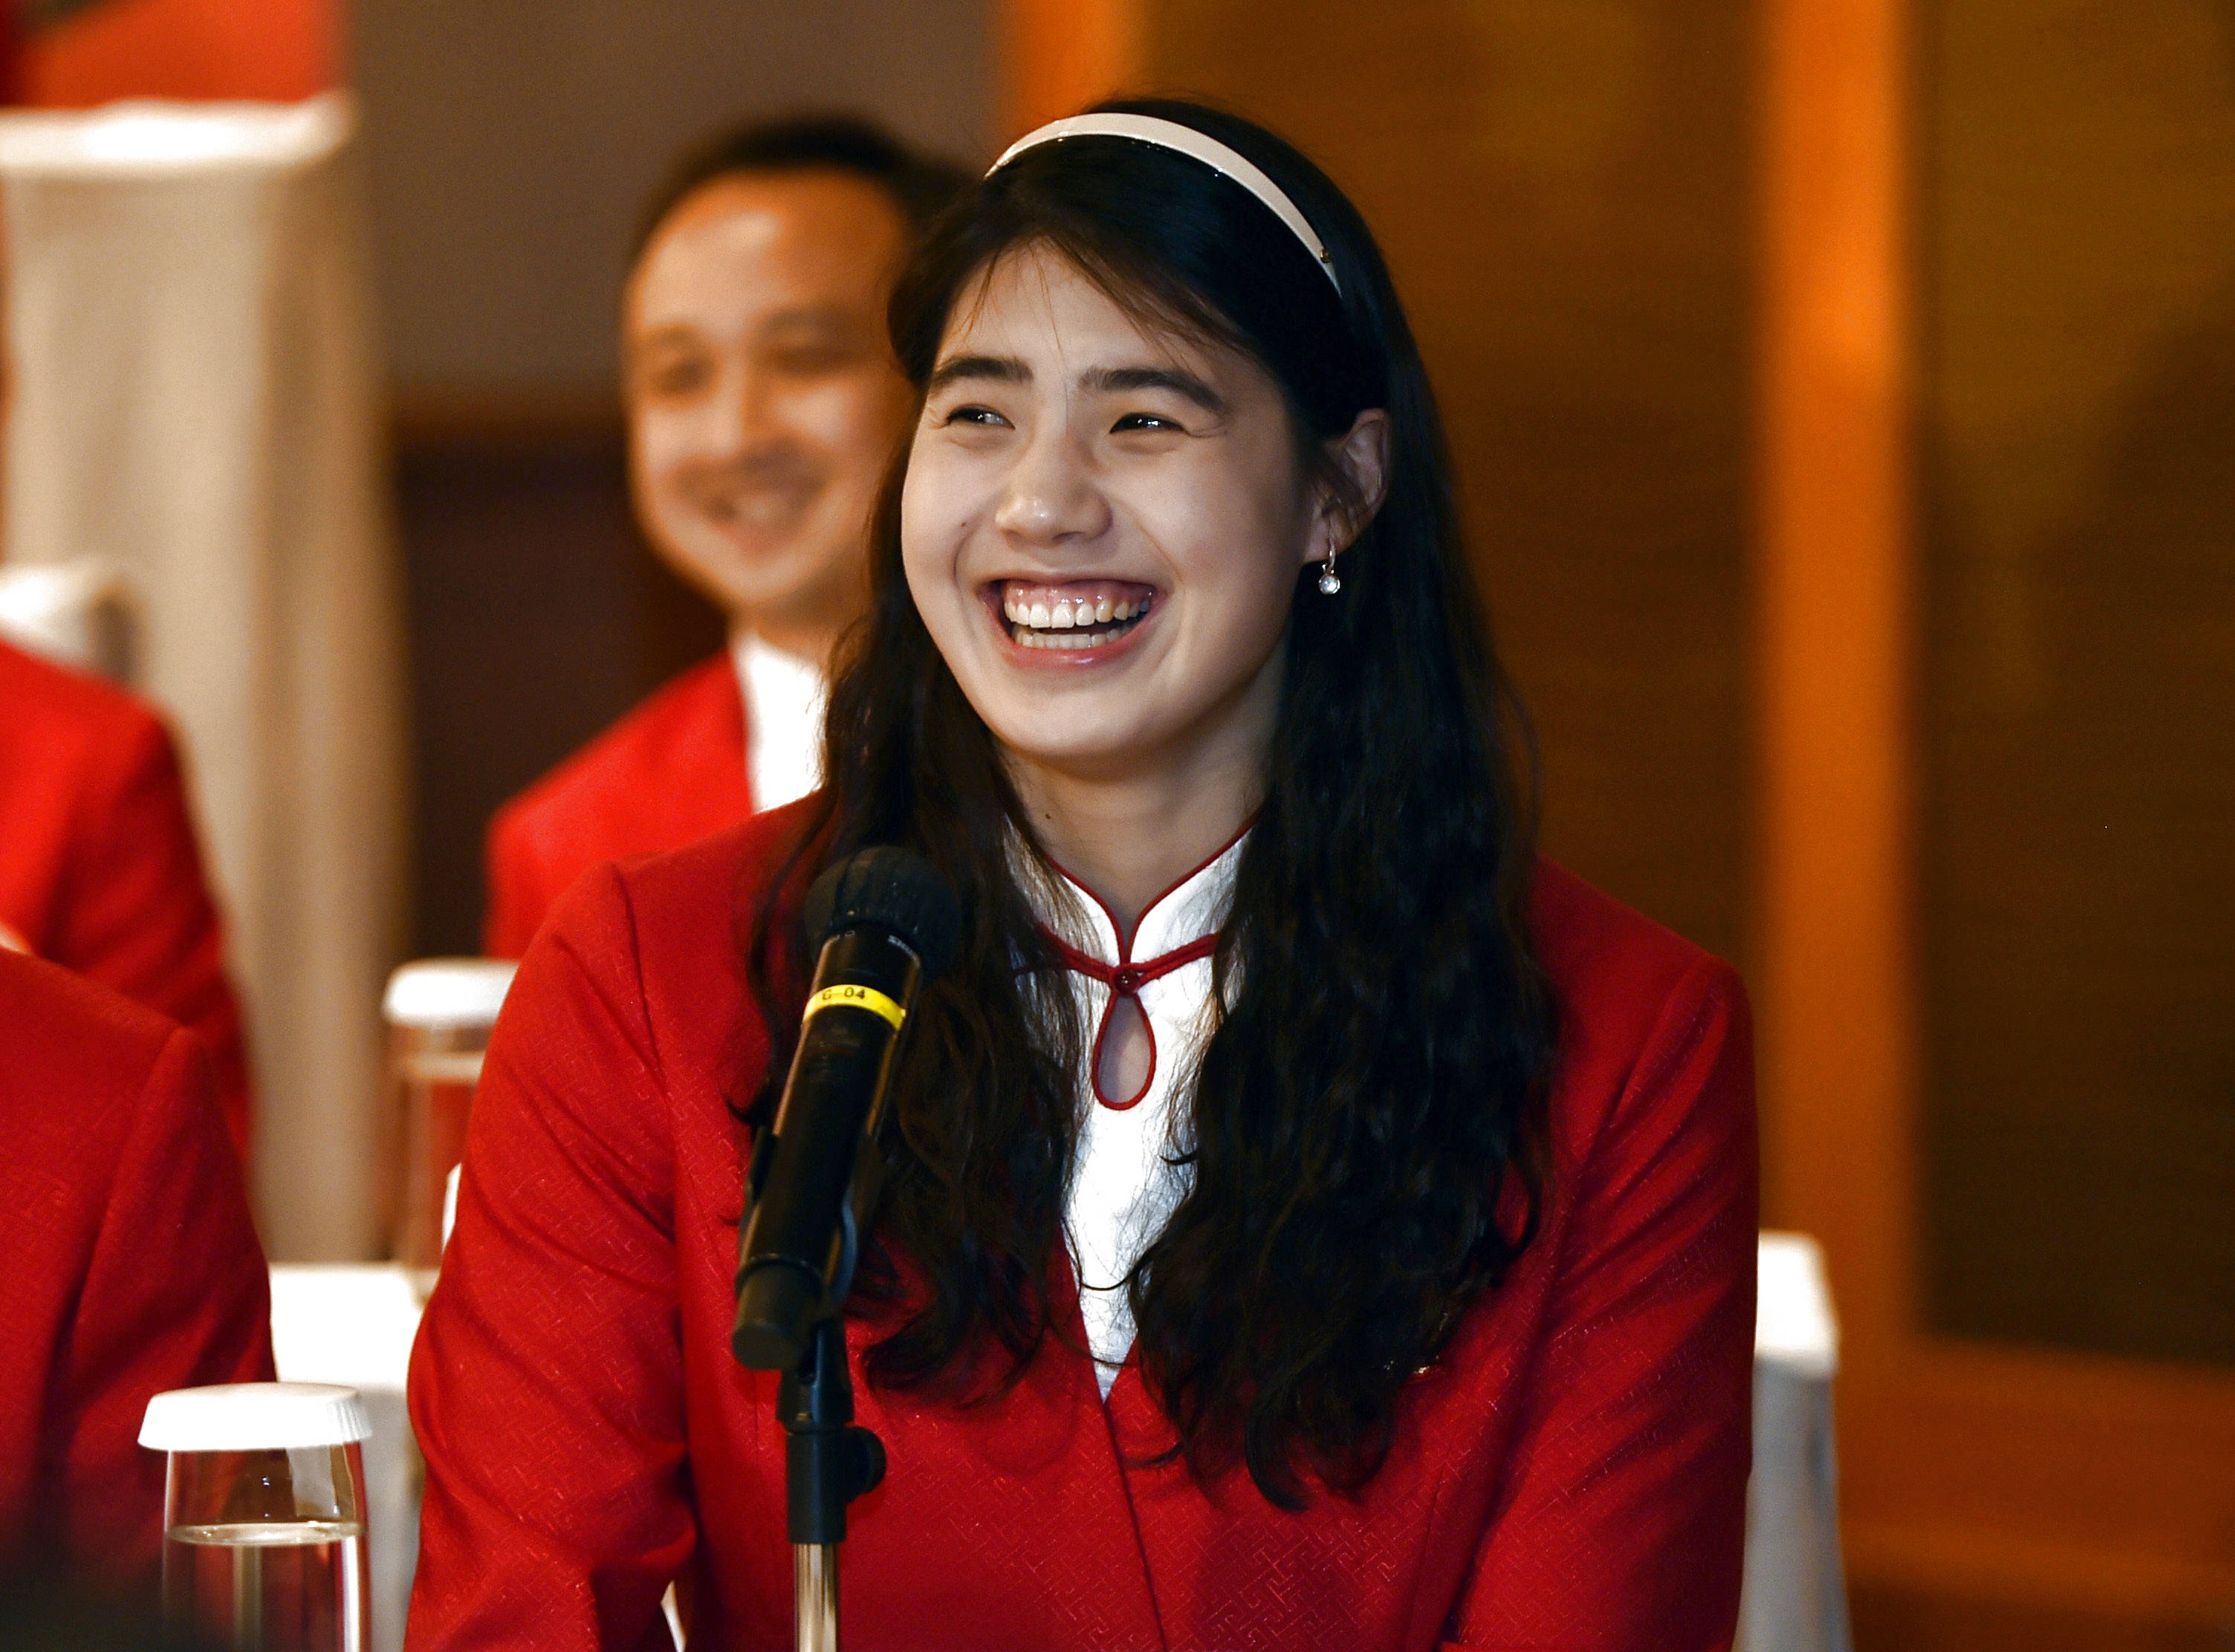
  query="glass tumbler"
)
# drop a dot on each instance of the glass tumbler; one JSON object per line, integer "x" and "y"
{"x": 264, "y": 1545}
{"x": 439, "y": 1014}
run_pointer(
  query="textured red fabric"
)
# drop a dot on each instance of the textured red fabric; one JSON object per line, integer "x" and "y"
{"x": 1570, "y": 1475}
{"x": 132, "y": 1265}
{"x": 99, "y": 872}
{"x": 669, "y": 773}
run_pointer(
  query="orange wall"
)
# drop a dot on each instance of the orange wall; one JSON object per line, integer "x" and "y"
{"x": 278, "y": 50}
{"x": 1059, "y": 55}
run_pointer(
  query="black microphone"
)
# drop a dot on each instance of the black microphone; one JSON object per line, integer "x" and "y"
{"x": 885, "y": 921}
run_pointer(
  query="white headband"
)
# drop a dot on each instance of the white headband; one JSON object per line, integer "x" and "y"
{"x": 1171, "y": 134}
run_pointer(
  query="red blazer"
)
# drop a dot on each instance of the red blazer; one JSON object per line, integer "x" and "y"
{"x": 1571, "y": 1474}
{"x": 98, "y": 868}
{"x": 670, "y": 772}
{"x": 132, "y": 1266}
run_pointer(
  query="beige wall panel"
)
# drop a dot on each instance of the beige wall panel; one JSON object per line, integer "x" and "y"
{"x": 513, "y": 142}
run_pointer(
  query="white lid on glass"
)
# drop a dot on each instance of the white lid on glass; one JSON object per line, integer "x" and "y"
{"x": 448, "y": 992}
{"x": 254, "y": 1416}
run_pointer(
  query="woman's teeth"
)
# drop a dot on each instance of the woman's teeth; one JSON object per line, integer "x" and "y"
{"x": 1065, "y": 613}
{"x": 1069, "y": 623}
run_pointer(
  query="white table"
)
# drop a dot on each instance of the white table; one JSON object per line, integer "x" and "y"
{"x": 354, "y": 1326}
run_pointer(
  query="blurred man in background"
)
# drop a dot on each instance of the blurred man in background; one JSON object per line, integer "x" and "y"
{"x": 763, "y": 404}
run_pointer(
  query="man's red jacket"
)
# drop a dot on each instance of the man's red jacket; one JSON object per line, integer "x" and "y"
{"x": 99, "y": 870}
{"x": 670, "y": 772}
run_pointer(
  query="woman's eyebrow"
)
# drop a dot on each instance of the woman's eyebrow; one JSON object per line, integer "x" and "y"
{"x": 1119, "y": 379}
{"x": 1004, "y": 370}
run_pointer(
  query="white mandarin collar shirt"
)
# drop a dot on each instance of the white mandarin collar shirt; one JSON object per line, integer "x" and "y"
{"x": 1124, "y": 1186}
{"x": 784, "y": 696}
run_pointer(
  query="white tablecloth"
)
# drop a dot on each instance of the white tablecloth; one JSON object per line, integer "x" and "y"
{"x": 196, "y": 408}
{"x": 354, "y": 1326}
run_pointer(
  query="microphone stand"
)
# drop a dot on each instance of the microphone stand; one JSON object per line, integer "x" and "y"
{"x": 827, "y": 1462}
{"x": 879, "y": 914}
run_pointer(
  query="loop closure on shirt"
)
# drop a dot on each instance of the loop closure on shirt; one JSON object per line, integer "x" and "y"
{"x": 1125, "y": 981}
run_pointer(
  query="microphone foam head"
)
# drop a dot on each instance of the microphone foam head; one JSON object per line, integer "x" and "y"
{"x": 896, "y": 890}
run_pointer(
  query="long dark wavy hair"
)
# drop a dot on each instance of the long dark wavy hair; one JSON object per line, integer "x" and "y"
{"x": 1364, "y": 1138}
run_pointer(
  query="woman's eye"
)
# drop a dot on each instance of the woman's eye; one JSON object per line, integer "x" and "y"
{"x": 984, "y": 417}
{"x": 1146, "y": 421}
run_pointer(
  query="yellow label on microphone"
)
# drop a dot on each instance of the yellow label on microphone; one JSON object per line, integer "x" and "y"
{"x": 854, "y": 998}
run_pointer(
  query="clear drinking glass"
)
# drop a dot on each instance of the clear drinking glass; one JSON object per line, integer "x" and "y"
{"x": 264, "y": 1547}
{"x": 439, "y": 1013}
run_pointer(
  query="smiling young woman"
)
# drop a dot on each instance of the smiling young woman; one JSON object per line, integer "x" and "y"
{"x": 1310, "y": 1219}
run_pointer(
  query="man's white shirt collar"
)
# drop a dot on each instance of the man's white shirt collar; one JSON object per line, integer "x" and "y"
{"x": 784, "y": 698}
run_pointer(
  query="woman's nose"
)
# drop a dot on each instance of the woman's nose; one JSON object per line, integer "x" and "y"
{"x": 1051, "y": 495}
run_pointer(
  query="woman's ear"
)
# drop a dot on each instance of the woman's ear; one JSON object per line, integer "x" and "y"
{"x": 1360, "y": 460}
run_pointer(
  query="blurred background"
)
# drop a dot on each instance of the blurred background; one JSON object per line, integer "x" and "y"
{"x": 1844, "y": 392}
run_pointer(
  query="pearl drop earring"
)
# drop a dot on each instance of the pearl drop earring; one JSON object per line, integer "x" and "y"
{"x": 1330, "y": 582}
